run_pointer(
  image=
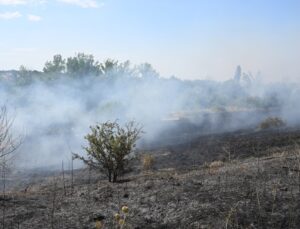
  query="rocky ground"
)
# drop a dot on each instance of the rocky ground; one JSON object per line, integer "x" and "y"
{"x": 237, "y": 180}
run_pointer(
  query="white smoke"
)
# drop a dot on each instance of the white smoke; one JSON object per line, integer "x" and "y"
{"x": 54, "y": 116}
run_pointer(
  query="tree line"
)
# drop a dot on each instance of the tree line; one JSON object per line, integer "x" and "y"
{"x": 85, "y": 65}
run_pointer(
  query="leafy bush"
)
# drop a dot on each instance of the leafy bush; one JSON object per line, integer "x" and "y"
{"x": 271, "y": 122}
{"x": 110, "y": 147}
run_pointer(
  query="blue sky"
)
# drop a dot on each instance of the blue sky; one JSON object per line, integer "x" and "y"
{"x": 191, "y": 39}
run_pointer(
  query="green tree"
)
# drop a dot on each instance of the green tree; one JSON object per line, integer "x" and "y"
{"x": 57, "y": 65}
{"x": 25, "y": 76}
{"x": 83, "y": 65}
{"x": 115, "y": 69}
{"x": 110, "y": 147}
{"x": 109, "y": 66}
{"x": 146, "y": 71}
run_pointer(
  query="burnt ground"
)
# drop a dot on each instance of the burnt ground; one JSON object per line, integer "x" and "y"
{"x": 223, "y": 146}
{"x": 244, "y": 179}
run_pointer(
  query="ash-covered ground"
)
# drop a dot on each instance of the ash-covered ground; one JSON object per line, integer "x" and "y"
{"x": 242, "y": 179}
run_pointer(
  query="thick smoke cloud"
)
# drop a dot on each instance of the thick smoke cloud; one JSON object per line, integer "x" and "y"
{"x": 55, "y": 115}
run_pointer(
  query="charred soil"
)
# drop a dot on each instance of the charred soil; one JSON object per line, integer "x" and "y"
{"x": 233, "y": 180}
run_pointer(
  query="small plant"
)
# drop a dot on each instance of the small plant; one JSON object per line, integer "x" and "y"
{"x": 121, "y": 218}
{"x": 271, "y": 123}
{"x": 99, "y": 225}
{"x": 110, "y": 147}
{"x": 214, "y": 166}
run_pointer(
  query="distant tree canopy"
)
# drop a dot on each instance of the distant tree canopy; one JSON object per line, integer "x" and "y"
{"x": 235, "y": 92}
{"x": 108, "y": 66}
{"x": 27, "y": 76}
{"x": 57, "y": 65}
{"x": 147, "y": 71}
{"x": 82, "y": 65}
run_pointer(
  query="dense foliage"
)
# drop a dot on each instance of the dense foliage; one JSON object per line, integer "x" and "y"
{"x": 109, "y": 147}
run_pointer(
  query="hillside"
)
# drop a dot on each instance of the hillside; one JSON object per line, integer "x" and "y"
{"x": 257, "y": 187}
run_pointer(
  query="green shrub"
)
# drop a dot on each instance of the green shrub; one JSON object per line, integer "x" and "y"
{"x": 271, "y": 123}
{"x": 110, "y": 147}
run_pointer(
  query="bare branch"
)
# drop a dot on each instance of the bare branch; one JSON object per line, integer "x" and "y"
{"x": 8, "y": 144}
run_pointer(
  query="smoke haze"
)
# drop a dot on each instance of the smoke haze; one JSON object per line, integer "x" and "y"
{"x": 54, "y": 116}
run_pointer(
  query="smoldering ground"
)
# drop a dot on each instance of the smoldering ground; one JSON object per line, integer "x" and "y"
{"x": 54, "y": 116}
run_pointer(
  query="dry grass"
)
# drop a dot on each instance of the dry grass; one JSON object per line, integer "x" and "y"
{"x": 216, "y": 164}
{"x": 147, "y": 162}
